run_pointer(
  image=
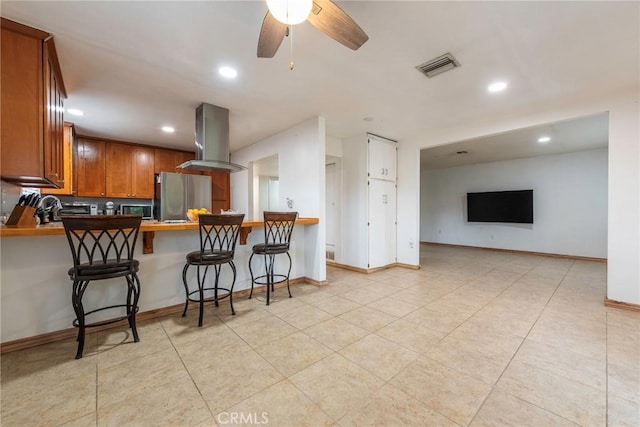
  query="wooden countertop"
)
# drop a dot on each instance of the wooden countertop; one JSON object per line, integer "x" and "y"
{"x": 56, "y": 229}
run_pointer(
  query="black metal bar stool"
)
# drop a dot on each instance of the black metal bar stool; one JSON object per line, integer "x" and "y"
{"x": 278, "y": 227}
{"x": 102, "y": 248}
{"x": 218, "y": 237}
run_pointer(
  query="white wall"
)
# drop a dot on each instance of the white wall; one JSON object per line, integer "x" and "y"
{"x": 301, "y": 169}
{"x": 623, "y": 272}
{"x": 570, "y": 204}
{"x": 623, "y": 268}
{"x": 355, "y": 203}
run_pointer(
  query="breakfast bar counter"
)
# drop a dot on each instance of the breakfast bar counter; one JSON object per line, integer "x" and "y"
{"x": 36, "y": 290}
{"x": 56, "y": 229}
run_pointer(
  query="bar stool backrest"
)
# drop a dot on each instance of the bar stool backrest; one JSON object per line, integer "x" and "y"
{"x": 278, "y": 227}
{"x": 219, "y": 233}
{"x": 100, "y": 241}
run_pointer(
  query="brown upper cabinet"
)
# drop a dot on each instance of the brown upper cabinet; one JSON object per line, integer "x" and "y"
{"x": 68, "y": 189}
{"x": 129, "y": 171}
{"x": 167, "y": 160}
{"x": 31, "y": 130}
{"x": 90, "y": 168}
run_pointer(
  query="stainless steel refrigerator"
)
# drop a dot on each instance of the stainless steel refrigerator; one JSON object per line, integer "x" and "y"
{"x": 178, "y": 192}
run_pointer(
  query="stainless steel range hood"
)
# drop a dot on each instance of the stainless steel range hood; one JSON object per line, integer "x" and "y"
{"x": 212, "y": 141}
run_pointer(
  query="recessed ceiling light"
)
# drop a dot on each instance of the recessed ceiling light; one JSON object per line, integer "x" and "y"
{"x": 497, "y": 87}
{"x": 544, "y": 139}
{"x": 168, "y": 129}
{"x": 228, "y": 72}
{"x": 75, "y": 112}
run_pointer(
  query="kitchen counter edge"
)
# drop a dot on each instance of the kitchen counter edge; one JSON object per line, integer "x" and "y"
{"x": 58, "y": 230}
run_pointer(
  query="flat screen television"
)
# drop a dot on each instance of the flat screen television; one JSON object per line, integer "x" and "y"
{"x": 501, "y": 206}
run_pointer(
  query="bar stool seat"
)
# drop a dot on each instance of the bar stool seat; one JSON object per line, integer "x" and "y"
{"x": 102, "y": 248}
{"x": 278, "y": 227}
{"x": 218, "y": 237}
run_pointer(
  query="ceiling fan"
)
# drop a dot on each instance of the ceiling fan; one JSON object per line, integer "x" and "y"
{"x": 325, "y": 15}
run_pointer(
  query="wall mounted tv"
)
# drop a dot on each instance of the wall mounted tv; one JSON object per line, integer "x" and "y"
{"x": 501, "y": 206}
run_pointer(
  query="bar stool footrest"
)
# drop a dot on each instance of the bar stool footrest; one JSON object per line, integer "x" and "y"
{"x": 107, "y": 321}
{"x": 212, "y": 298}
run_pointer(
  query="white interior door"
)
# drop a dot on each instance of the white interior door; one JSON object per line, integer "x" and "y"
{"x": 382, "y": 223}
{"x": 331, "y": 206}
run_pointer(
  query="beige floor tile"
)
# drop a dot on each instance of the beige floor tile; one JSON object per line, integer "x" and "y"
{"x": 117, "y": 346}
{"x": 379, "y": 356}
{"x": 588, "y": 343}
{"x": 305, "y": 316}
{"x": 84, "y": 421}
{"x": 469, "y": 357}
{"x": 335, "y": 305}
{"x": 503, "y": 320}
{"x": 184, "y": 329}
{"x": 392, "y": 407}
{"x": 49, "y": 402}
{"x": 502, "y": 409}
{"x": 282, "y": 404}
{"x": 336, "y": 385}
{"x": 564, "y": 397}
{"x": 622, "y": 413}
{"x": 336, "y": 333}
{"x": 252, "y": 311}
{"x": 293, "y": 353}
{"x": 393, "y": 306}
{"x": 179, "y": 404}
{"x": 624, "y": 382}
{"x": 260, "y": 332}
{"x": 414, "y": 337}
{"x": 363, "y": 295}
{"x": 234, "y": 379}
{"x": 368, "y": 318}
{"x": 418, "y": 295}
{"x": 282, "y": 304}
{"x": 127, "y": 380}
{"x": 44, "y": 364}
{"x": 442, "y": 318}
{"x": 565, "y": 362}
{"x": 453, "y": 394}
{"x": 210, "y": 349}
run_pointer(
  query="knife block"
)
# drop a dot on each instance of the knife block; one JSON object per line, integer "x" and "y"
{"x": 22, "y": 216}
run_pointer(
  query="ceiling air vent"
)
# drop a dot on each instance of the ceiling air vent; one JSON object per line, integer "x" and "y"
{"x": 438, "y": 65}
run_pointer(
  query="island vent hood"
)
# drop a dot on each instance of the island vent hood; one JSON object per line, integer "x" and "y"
{"x": 212, "y": 141}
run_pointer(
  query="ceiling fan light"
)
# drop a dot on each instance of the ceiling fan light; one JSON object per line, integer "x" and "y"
{"x": 290, "y": 12}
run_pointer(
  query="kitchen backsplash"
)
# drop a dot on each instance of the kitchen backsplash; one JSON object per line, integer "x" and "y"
{"x": 11, "y": 193}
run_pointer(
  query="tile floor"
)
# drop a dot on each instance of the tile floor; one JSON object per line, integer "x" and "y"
{"x": 474, "y": 338}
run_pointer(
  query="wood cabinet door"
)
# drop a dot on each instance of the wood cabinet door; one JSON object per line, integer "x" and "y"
{"x": 53, "y": 121}
{"x": 220, "y": 191}
{"x": 67, "y": 155}
{"x": 91, "y": 165}
{"x": 184, "y": 156}
{"x": 119, "y": 179}
{"x": 142, "y": 172}
{"x": 21, "y": 123}
{"x": 164, "y": 160}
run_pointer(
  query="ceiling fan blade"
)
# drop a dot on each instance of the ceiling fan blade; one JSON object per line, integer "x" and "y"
{"x": 329, "y": 18}
{"x": 271, "y": 36}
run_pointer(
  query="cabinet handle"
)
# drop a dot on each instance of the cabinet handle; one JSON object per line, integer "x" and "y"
{"x": 133, "y": 195}
{"x": 102, "y": 194}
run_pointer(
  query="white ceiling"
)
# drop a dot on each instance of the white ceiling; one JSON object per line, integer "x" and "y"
{"x": 585, "y": 133}
{"x": 135, "y": 66}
